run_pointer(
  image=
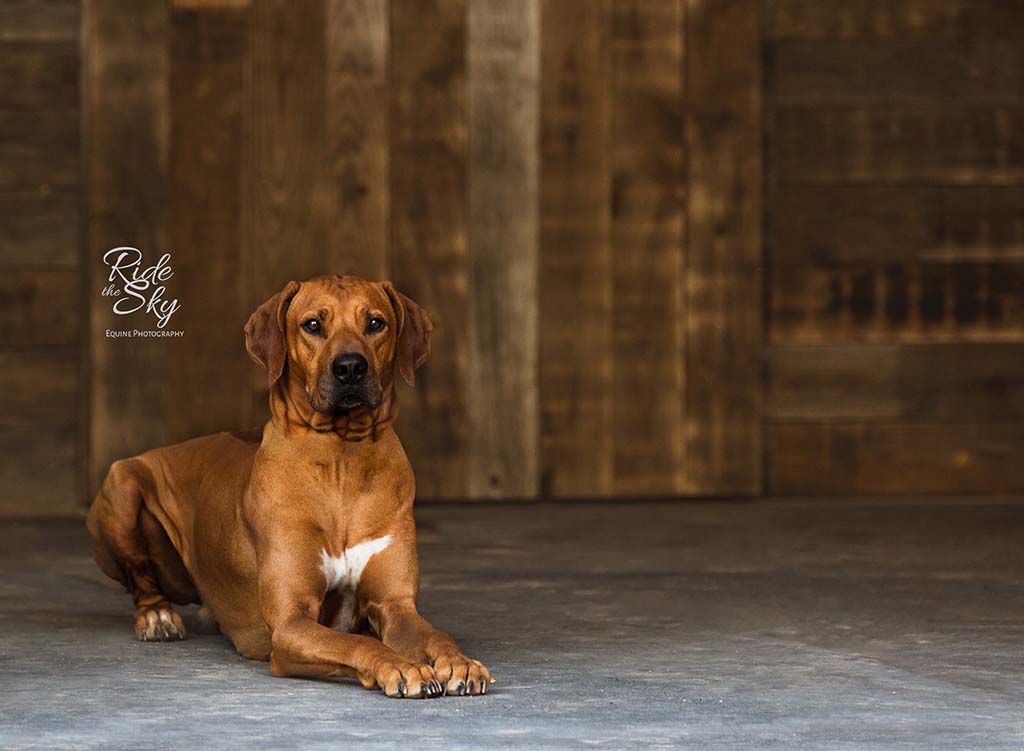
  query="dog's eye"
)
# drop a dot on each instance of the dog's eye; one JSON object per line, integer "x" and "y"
{"x": 376, "y": 324}
{"x": 312, "y": 326}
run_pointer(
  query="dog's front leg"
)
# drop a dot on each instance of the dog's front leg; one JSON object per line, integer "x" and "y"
{"x": 290, "y": 598}
{"x": 409, "y": 634}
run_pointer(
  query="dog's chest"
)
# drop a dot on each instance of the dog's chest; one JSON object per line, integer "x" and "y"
{"x": 343, "y": 572}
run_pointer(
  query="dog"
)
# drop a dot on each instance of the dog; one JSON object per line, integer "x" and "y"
{"x": 299, "y": 539}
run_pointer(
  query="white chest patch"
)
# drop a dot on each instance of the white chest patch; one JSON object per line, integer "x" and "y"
{"x": 343, "y": 571}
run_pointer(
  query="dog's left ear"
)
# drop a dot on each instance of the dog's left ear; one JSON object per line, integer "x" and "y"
{"x": 264, "y": 333}
{"x": 414, "y": 329}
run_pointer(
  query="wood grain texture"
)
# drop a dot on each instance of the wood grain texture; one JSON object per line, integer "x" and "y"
{"x": 287, "y": 198}
{"x": 575, "y": 289}
{"x": 357, "y": 63}
{"x": 885, "y": 458}
{"x": 920, "y": 301}
{"x": 126, "y": 104}
{"x": 893, "y": 19}
{"x": 38, "y": 75}
{"x": 32, "y": 295}
{"x": 723, "y": 291}
{"x": 850, "y": 224}
{"x": 954, "y": 382}
{"x": 923, "y": 72}
{"x": 503, "y": 59}
{"x": 39, "y": 149}
{"x": 964, "y": 146}
{"x": 40, "y": 20}
{"x": 39, "y": 228}
{"x": 429, "y": 253}
{"x": 208, "y": 52}
{"x": 647, "y": 210}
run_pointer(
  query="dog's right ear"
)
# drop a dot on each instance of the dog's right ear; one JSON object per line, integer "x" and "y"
{"x": 264, "y": 333}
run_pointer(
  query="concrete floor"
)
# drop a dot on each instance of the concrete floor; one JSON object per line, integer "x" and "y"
{"x": 735, "y": 625}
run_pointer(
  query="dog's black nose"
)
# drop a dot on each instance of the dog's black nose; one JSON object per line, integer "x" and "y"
{"x": 349, "y": 369}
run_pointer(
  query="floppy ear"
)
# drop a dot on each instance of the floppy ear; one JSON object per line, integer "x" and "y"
{"x": 264, "y": 333}
{"x": 414, "y": 329}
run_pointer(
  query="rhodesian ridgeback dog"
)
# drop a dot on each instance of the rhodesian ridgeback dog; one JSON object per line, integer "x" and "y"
{"x": 300, "y": 540}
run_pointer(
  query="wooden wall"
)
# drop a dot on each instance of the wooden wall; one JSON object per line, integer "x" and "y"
{"x": 40, "y": 271}
{"x": 519, "y": 168}
{"x": 672, "y": 247}
{"x": 895, "y": 246}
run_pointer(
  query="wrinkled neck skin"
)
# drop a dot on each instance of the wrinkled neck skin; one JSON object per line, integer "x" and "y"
{"x": 290, "y": 410}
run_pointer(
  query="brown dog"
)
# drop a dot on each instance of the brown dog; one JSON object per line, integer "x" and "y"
{"x": 295, "y": 538}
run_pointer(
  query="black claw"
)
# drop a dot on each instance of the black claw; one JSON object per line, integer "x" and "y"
{"x": 460, "y": 689}
{"x": 401, "y": 689}
{"x": 472, "y": 685}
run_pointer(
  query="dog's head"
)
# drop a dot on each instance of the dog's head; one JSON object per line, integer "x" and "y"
{"x": 340, "y": 338}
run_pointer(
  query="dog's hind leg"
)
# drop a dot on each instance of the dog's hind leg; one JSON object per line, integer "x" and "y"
{"x": 131, "y": 546}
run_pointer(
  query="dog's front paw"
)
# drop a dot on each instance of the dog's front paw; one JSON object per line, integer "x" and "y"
{"x": 404, "y": 679}
{"x": 461, "y": 675}
{"x": 158, "y": 623}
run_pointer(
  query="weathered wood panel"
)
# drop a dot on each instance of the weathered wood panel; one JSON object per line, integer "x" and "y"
{"x": 647, "y": 210}
{"x": 723, "y": 287}
{"x": 40, "y": 20}
{"x": 575, "y": 289}
{"x": 357, "y": 64}
{"x": 36, "y": 387}
{"x": 38, "y": 472}
{"x": 39, "y": 148}
{"x": 38, "y": 310}
{"x": 920, "y": 72}
{"x": 126, "y": 103}
{"x": 852, "y": 224}
{"x": 286, "y": 198}
{"x": 886, "y": 19}
{"x": 503, "y": 59}
{"x": 429, "y": 253}
{"x": 208, "y": 49}
{"x": 39, "y": 75}
{"x": 926, "y": 301}
{"x": 953, "y": 382}
{"x": 960, "y": 146}
{"x": 40, "y": 229}
{"x": 894, "y": 458}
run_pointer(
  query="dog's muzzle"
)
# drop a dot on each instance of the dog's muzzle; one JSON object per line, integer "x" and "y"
{"x": 351, "y": 385}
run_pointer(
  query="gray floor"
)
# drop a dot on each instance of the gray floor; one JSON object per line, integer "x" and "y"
{"x": 732, "y": 625}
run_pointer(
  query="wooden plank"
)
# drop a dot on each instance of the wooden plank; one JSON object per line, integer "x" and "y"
{"x": 39, "y": 387}
{"x": 39, "y": 229}
{"x": 287, "y": 198}
{"x": 648, "y": 206}
{"x": 39, "y": 75}
{"x": 963, "y": 146}
{"x": 125, "y": 122}
{"x": 503, "y": 59}
{"x": 357, "y": 135}
{"x": 208, "y": 49}
{"x": 429, "y": 257}
{"x": 39, "y": 149}
{"x": 888, "y": 19}
{"x": 40, "y": 20}
{"x": 925, "y": 301}
{"x": 575, "y": 291}
{"x": 851, "y": 224}
{"x": 34, "y": 295}
{"x": 894, "y": 458}
{"x": 918, "y": 72}
{"x": 723, "y": 283}
{"x": 896, "y": 382}
{"x": 38, "y": 473}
